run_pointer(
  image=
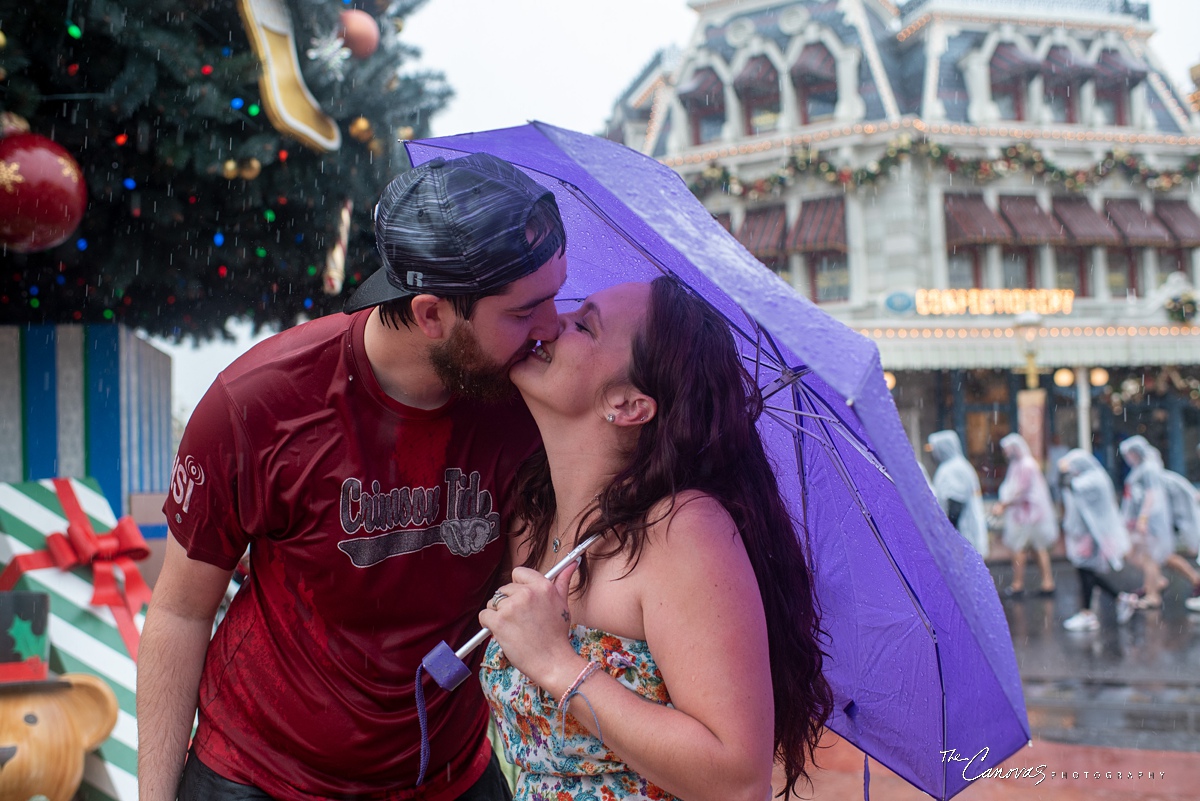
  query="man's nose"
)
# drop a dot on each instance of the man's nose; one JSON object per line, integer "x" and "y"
{"x": 549, "y": 324}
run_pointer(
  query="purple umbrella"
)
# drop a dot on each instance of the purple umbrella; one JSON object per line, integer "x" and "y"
{"x": 920, "y": 657}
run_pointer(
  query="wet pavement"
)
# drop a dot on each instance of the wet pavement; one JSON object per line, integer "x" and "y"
{"x": 1115, "y": 713}
{"x": 1135, "y": 685}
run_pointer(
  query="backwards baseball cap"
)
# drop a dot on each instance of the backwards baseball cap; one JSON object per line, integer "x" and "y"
{"x": 456, "y": 228}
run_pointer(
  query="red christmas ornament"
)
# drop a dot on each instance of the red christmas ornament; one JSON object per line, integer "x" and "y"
{"x": 42, "y": 193}
{"x": 360, "y": 32}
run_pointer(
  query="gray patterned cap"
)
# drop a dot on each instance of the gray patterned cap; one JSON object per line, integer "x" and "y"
{"x": 455, "y": 227}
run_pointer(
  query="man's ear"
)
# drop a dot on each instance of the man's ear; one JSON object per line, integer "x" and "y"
{"x": 433, "y": 315}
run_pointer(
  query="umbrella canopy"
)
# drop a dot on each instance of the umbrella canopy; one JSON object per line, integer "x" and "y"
{"x": 919, "y": 653}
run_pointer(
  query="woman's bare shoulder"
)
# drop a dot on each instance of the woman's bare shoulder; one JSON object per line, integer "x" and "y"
{"x": 692, "y": 525}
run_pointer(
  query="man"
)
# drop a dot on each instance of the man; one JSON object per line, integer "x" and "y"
{"x": 366, "y": 460}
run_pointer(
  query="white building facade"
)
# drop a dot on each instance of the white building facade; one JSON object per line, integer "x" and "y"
{"x": 980, "y": 186}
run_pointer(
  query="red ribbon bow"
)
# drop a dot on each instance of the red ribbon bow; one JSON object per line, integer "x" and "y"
{"x": 83, "y": 546}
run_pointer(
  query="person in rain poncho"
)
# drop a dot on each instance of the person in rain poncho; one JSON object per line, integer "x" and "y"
{"x": 1029, "y": 518}
{"x": 1147, "y": 509}
{"x": 957, "y": 489}
{"x": 1095, "y": 535}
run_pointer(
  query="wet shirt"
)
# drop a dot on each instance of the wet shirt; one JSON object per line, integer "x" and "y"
{"x": 375, "y": 534}
{"x": 562, "y": 759}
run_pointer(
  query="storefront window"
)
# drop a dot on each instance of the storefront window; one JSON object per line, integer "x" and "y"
{"x": 817, "y": 101}
{"x": 964, "y": 268}
{"x": 1018, "y": 272}
{"x": 1072, "y": 266}
{"x": 1122, "y": 273}
{"x": 1010, "y": 99}
{"x": 831, "y": 276}
{"x": 1061, "y": 103}
{"x": 708, "y": 127}
{"x": 1174, "y": 260}
{"x": 1110, "y": 107}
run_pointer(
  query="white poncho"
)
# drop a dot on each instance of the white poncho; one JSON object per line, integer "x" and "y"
{"x": 955, "y": 480}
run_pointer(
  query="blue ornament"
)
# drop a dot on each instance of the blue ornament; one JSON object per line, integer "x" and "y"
{"x": 81, "y": 244}
{"x": 308, "y": 304}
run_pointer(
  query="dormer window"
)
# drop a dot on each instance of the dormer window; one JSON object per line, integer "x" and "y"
{"x": 758, "y": 88}
{"x": 1011, "y": 68}
{"x": 1063, "y": 72}
{"x": 1116, "y": 74}
{"x": 814, "y": 75}
{"x": 704, "y": 98}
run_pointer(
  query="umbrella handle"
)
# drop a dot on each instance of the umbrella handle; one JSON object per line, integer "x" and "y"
{"x": 448, "y": 667}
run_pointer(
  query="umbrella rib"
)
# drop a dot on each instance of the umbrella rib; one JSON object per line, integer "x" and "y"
{"x": 840, "y": 466}
{"x": 845, "y": 435}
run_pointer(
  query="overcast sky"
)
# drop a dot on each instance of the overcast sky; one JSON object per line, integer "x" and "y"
{"x": 564, "y": 62}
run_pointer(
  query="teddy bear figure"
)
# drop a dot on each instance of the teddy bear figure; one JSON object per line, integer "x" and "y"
{"x": 47, "y": 725}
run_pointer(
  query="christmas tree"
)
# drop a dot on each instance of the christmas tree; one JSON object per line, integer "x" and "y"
{"x": 232, "y": 152}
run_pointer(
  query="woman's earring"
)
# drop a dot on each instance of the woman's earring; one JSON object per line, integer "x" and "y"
{"x": 612, "y": 418}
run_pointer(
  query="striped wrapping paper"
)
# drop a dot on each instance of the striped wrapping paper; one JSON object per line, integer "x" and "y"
{"x": 83, "y": 638}
{"x": 87, "y": 400}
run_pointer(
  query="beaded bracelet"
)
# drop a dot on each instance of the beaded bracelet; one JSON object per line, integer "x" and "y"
{"x": 573, "y": 691}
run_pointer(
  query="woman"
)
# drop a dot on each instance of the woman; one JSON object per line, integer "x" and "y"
{"x": 957, "y": 489}
{"x": 1096, "y": 539}
{"x": 1029, "y": 519}
{"x": 1147, "y": 509}
{"x": 697, "y": 598}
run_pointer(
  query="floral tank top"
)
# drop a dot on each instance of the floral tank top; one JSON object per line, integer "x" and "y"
{"x": 561, "y": 760}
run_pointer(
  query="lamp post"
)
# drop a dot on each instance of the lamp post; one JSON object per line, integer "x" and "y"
{"x": 1031, "y": 401}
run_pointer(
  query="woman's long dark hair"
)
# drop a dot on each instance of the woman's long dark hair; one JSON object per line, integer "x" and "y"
{"x": 704, "y": 438}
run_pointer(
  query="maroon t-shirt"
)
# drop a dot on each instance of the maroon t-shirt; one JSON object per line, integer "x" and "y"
{"x": 375, "y": 534}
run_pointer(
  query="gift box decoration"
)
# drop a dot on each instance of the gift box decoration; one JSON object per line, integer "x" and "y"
{"x": 85, "y": 400}
{"x": 60, "y": 537}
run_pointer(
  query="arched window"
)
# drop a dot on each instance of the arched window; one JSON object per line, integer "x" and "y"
{"x": 758, "y": 87}
{"x": 814, "y": 75}
{"x": 704, "y": 98}
{"x": 1116, "y": 74}
{"x": 1011, "y": 68}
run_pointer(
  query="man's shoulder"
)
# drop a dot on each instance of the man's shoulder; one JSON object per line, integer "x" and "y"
{"x": 301, "y": 348}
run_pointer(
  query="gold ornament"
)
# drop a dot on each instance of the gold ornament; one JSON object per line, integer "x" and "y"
{"x": 398, "y": 24}
{"x": 361, "y": 129}
{"x": 3, "y": 40}
{"x": 249, "y": 169}
{"x": 230, "y": 170}
{"x": 404, "y": 134}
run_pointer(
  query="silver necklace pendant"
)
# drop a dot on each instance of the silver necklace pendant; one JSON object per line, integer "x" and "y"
{"x": 555, "y": 544}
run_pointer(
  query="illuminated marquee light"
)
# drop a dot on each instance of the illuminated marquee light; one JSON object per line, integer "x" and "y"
{"x": 994, "y": 301}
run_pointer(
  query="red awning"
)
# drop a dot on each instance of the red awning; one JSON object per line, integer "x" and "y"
{"x": 725, "y": 220}
{"x": 762, "y": 232}
{"x": 1010, "y": 62}
{"x": 1062, "y": 66}
{"x": 1031, "y": 225}
{"x": 703, "y": 89}
{"x": 1139, "y": 228}
{"x": 759, "y": 78}
{"x": 970, "y": 222}
{"x": 1085, "y": 225}
{"x": 821, "y": 226}
{"x": 815, "y": 64}
{"x": 1182, "y": 222}
{"x": 1116, "y": 70}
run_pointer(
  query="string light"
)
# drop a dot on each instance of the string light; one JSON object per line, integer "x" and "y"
{"x": 218, "y": 239}
{"x": 237, "y": 103}
{"x": 74, "y": 31}
{"x": 121, "y": 139}
{"x": 207, "y": 69}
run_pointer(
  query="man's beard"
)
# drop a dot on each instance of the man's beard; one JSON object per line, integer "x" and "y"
{"x": 466, "y": 371}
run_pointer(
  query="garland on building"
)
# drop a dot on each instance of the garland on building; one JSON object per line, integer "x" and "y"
{"x": 1181, "y": 308}
{"x": 1018, "y": 157}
